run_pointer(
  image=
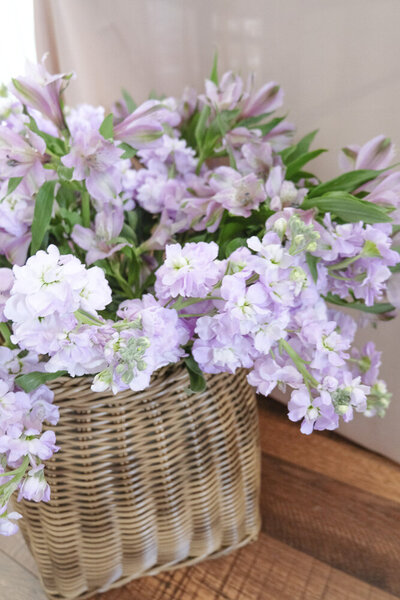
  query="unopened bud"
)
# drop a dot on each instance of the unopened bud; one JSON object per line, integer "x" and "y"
{"x": 280, "y": 226}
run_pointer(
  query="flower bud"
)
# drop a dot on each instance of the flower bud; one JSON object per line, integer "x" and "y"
{"x": 280, "y": 227}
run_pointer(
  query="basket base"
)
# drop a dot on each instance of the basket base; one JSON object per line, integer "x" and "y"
{"x": 161, "y": 569}
{"x": 145, "y": 482}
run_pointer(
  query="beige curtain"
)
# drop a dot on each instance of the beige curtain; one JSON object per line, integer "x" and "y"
{"x": 338, "y": 61}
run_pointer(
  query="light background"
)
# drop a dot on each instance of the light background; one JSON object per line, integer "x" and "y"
{"x": 17, "y": 38}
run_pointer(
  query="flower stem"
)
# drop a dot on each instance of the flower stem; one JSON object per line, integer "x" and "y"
{"x": 85, "y": 209}
{"x": 298, "y": 362}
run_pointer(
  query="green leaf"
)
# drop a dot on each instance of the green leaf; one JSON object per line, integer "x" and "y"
{"x": 71, "y": 217}
{"x": 265, "y": 129}
{"x": 107, "y": 127}
{"x": 312, "y": 262}
{"x": 290, "y": 154}
{"x": 214, "y": 70}
{"x": 297, "y": 164}
{"x": 30, "y": 381}
{"x": 129, "y": 101}
{"x": 13, "y": 183}
{"x": 252, "y": 122}
{"x": 54, "y": 145}
{"x": 200, "y": 130}
{"x": 233, "y": 245}
{"x": 348, "y": 182}
{"x": 130, "y": 152}
{"x": 42, "y": 214}
{"x": 197, "y": 381}
{"x": 347, "y": 207}
{"x": 377, "y": 309}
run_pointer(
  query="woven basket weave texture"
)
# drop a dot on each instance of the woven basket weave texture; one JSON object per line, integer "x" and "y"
{"x": 145, "y": 481}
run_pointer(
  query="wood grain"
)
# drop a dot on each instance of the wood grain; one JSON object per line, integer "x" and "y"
{"x": 265, "y": 570}
{"x": 351, "y": 530}
{"x": 326, "y": 453}
{"x": 330, "y": 531}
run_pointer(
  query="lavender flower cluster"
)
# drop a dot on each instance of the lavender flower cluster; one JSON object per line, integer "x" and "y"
{"x": 182, "y": 230}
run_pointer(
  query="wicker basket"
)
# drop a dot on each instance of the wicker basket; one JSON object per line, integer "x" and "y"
{"x": 145, "y": 482}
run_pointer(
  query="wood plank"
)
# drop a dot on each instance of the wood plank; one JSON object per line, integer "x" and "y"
{"x": 349, "y": 529}
{"x": 265, "y": 570}
{"x": 16, "y": 549}
{"x": 17, "y": 583}
{"x": 326, "y": 453}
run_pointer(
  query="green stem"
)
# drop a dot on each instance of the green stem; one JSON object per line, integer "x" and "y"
{"x": 125, "y": 287}
{"x": 85, "y": 209}
{"x": 86, "y": 318}
{"x": 180, "y": 303}
{"x": 299, "y": 362}
{"x": 8, "y": 488}
{"x": 343, "y": 264}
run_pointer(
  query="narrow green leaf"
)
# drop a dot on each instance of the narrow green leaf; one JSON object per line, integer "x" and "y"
{"x": 201, "y": 126}
{"x": 290, "y": 154}
{"x": 214, "y": 70}
{"x": 298, "y": 163}
{"x": 377, "y": 309}
{"x": 42, "y": 214}
{"x": 107, "y": 127}
{"x": 129, "y": 101}
{"x": 197, "y": 381}
{"x": 30, "y": 381}
{"x": 265, "y": 129}
{"x": 252, "y": 122}
{"x": 348, "y": 182}
{"x": 305, "y": 143}
{"x": 312, "y": 262}
{"x": 348, "y": 208}
{"x": 13, "y": 183}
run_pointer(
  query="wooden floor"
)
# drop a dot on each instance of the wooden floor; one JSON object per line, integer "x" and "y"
{"x": 331, "y": 531}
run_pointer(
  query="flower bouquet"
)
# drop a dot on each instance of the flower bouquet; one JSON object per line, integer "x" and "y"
{"x": 187, "y": 232}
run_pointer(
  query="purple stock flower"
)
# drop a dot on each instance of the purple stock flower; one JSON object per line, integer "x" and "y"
{"x": 189, "y": 271}
{"x": 6, "y": 283}
{"x": 34, "y": 487}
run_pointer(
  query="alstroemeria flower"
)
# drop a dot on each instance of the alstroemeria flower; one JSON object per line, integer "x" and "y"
{"x": 93, "y": 158}
{"x": 20, "y": 155}
{"x": 239, "y": 195}
{"x": 225, "y": 95}
{"x": 98, "y": 242}
{"x": 377, "y": 153}
{"x": 266, "y": 100}
{"x": 41, "y": 90}
{"x": 141, "y": 129}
